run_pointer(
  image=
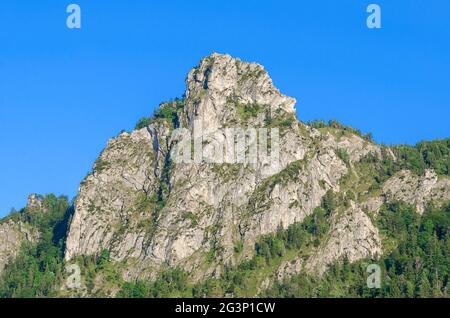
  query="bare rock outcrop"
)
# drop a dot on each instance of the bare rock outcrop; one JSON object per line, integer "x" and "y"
{"x": 352, "y": 236}
{"x": 417, "y": 190}
{"x": 12, "y": 235}
{"x": 150, "y": 210}
{"x": 288, "y": 269}
{"x": 115, "y": 203}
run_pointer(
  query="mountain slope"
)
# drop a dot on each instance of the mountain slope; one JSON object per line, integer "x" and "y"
{"x": 147, "y": 223}
{"x": 207, "y": 208}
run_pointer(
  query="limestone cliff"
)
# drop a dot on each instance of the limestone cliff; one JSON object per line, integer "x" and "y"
{"x": 204, "y": 181}
{"x": 149, "y": 211}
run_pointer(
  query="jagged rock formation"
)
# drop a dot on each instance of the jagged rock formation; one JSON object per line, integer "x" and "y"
{"x": 115, "y": 204}
{"x": 12, "y": 236}
{"x": 352, "y": 236}
{"x": 34, "y": 203}
{"x": 207, "y": 206}
{"x": 151, "y": 212}
{"x": 14, "y": 233}
{"x": 407, "y": 187}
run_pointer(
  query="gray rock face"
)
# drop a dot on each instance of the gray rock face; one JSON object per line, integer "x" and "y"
{"x": 220, "y": 82}
{"x": 295, "y": 197}
{"x": 410, "y": 188}
{"x": 12, "y": 235}
{"x": 417, "y": 190}
{"x": 205, "y": 203}
{"x": 34, "y": 203}
{"x": 352, "y": 236}
{"x": 115, "y": 204}
{"x": 151, "y": 212}
{"x": 289, "y": 268}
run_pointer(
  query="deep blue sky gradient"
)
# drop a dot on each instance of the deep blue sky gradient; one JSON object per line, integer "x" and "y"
{"x": 64, "y": 92}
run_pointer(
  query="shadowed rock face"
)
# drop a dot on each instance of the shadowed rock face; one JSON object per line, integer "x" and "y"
{"x": 149, "y": 212}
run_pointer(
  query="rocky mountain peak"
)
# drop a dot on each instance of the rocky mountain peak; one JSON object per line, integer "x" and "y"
{"x": 150, "y": 211}
{"x": 223, "y": 90}
{"x": 34, "y": 203}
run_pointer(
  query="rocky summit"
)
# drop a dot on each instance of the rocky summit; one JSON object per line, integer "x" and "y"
{"x": 327, "y": 200}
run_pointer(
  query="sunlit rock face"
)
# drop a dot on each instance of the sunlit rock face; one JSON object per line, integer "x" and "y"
{"x": 15, "y": 232}
{"x": 150, "y": 212}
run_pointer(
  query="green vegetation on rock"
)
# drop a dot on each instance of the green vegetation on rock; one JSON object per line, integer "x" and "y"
{"x": 37, "y": 269}
{"x": 425, "y": 155}
{"x": 337, "y": 127}
{"x": 167, "y": 111}
{"x": 418, "y": 264}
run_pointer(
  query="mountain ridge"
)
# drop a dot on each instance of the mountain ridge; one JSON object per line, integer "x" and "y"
{"x": 146, "y": 214}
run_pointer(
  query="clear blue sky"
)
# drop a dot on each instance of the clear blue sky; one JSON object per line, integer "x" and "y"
{"x": 64, "y": 92}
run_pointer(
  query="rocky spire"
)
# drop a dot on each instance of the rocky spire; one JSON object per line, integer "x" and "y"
{"x": 34, "y": 203}
{"x": 220, "y": 89}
